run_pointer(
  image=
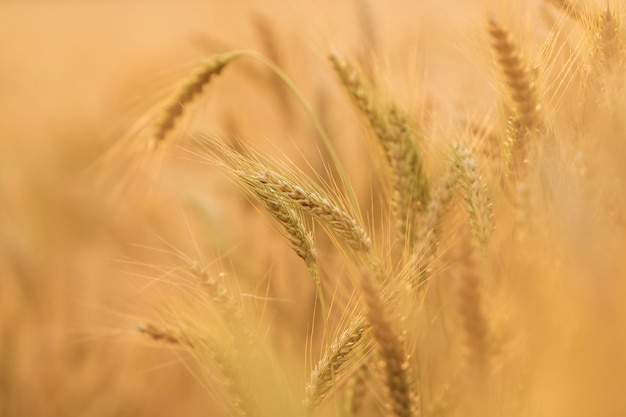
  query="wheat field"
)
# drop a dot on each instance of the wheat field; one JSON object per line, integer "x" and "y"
{"x": 313, "y": 209}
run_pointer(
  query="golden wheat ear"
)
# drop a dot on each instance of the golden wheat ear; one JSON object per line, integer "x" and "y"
{"x": 188, "y": 91}
{"x": 571, "y": 9}
{"x": 518, "y": 79}
{"x": 390, "y": 348}
{"x": 474, "y": 193}
{"x": 240, "y": 401}
{"x": 332, "y": 365}
{"x": 471, "y": 308}
{"x": 526, "y": 116}
{"x": 609, "y": 36}
{"x": 397, "y": 138}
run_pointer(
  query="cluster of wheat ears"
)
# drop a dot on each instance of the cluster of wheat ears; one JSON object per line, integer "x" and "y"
{"x": 471, "y": 276}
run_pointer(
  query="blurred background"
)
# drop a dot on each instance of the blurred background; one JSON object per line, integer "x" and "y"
{"x": 78, "y": 244}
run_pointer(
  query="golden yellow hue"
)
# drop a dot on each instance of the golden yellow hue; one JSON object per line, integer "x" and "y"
{"x": 429, "y": 222}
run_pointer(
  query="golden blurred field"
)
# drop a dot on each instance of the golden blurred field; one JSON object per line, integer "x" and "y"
{"x": 97, "y": 230}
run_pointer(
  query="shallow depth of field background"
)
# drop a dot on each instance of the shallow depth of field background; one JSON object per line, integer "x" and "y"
{"x": 80, "y": 234}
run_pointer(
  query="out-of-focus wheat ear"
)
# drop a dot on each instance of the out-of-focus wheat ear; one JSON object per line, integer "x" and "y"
{"x": 369, "y": 38}
{"x": 609, "y": 36}
{"x": 446, "y": 400}
{"x": 219, "y": 294}
{"x": 355, "y": 392}
{"x": 271, "y": 47}
{"x": 163, "y": 334}
{"x": 390, "y": 347}
{"x": 522, "y": 209}
{"x": 571, "y": 9}
{"x": 521, "y": 87}
{"x": 332, "y": 365}
{"x": 475, "y": 324}
{"x": 411, "y": 188}
{"x": 474, "y": 191}
{"x": 298, "y": 234}
{"x": 232, "y": 381}
{"x": 317, "y": 206}
{"x": 186, "y": 93}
